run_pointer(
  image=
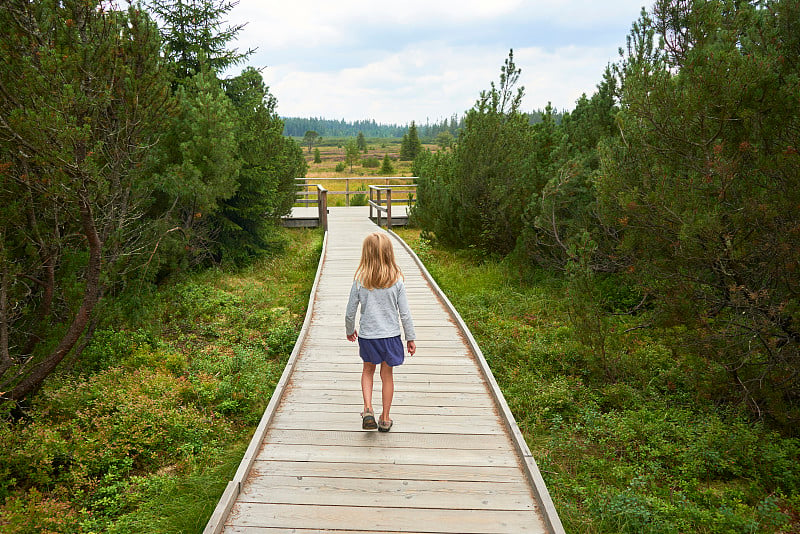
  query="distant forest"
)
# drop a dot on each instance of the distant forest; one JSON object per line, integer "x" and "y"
{"x": 298, "y": 126}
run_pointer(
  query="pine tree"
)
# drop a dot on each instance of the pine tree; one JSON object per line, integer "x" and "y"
{"x": 84, "y": 95}
{"x": 266, "y": 180}
{"x": 411, "y": 145}
{"x": 362, "y": 143}
{"x": 194, "y": 32}
{"x": 386, "y": 167}
{"x": 352, "y": 153}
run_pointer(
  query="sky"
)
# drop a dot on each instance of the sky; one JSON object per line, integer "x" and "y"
{"x": 426, "y": 60}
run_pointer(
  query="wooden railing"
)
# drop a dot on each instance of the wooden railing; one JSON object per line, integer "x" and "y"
{"x": 322, "y": 205}
{"x": 306, "y": 186}
{"x": 385, "y": 205}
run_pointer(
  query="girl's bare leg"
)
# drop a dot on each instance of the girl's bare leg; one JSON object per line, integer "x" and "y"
{"x": 387, "y": 379}
{"x": 367, "y": 373}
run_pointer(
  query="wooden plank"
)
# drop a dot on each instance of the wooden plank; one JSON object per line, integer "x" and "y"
{"x": 411, "y": 366}
{"x": 232, "y": 529}
{"x": 401, "y": 398}
{"x": 401, "y": 376}
{"x": 418, "y": 409}
{"x": 375, "y": 518}
{"x": 387, "y": 455}
{"x": 433, "y": 473}
{"x": 387, "y": 493}
{"x": 434, "y": 424}
{"x": 484, "y": 442}
{"x": 431, "y": 387}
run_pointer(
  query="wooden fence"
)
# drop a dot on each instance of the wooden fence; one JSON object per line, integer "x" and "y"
{"x": 307, "y": 193}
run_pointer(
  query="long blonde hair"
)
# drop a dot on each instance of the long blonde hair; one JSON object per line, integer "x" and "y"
{"x": 378, "y": 268}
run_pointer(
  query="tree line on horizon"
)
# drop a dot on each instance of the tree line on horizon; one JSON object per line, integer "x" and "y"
{"x": 298, "y": 127}
{"x": 124, "y": 158}
{"x": 679, "y": 177}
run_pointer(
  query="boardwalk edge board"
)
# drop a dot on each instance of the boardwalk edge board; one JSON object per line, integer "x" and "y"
{"x": 548, "y": 509}
{"x": 217, "y": 521}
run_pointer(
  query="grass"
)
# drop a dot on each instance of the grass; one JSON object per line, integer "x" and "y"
{"x": 332, "y": 153}
{"x": 145, "y": 432}
{"x": 628, "y": 442}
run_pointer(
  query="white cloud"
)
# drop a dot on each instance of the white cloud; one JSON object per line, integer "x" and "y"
{"x": 397, "y": 62}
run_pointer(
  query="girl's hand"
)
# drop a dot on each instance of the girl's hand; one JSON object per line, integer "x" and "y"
{"x": 353, "y": 336}
{"x": 412, "y": 348}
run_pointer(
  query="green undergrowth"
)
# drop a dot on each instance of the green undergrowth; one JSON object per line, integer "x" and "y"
{"x": 624, "y": 430}
{"x": 144, "y": 431}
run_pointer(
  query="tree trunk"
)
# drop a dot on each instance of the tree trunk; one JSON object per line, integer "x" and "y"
{"x": 91, "y": 295}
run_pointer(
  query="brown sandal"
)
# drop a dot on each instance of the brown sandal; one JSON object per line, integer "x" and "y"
{"x": 368, "y": 420}
{"x": 384, "y": 426}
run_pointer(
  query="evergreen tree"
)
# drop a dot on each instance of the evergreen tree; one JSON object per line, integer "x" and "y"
{"x": 386, "y": 166}
{"x": 703, "y": 187}
{"x": 309, "y": 138}
{"x": 266, "y": 180}
{"x": 361, "y": 142}
{"x": 194, "y": 34}
{"x": 196, "y": 166}
{"x": 351, "y": 153}
{"x": 317, "y": 156}
{"x": 411, "y": 145}
{"x": 84, "y": 92}
{"x": 444, "y": 139}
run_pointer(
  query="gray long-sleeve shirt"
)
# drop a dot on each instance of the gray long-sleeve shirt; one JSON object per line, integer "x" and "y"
{"x": 380, "y": 309}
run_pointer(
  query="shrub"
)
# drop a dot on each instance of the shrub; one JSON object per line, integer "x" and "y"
{"x": 371, "y": 162}
{"x": 359, "y": 199}
{"x": 340, "y": 167}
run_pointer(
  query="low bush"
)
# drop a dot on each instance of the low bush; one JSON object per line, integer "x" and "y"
{"x": 143, "y": 434}
{"x": 642, "y": 449}
{"x": 371, "y": 162}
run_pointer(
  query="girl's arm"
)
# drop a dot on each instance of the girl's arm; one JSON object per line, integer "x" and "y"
{"x": 405, "y": 313}
{"x": 350, "y": 312}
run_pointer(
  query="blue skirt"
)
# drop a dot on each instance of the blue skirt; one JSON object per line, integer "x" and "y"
{"x": 387, "y": 349}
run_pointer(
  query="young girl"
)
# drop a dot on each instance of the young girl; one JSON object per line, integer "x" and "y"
{"x": 378, "y": 287}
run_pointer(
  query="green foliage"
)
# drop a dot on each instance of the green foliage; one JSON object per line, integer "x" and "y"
{"x": 194, "y": 37}
{"x": 471, "y": 195}
{"x": 73, "y": 193}
{"x": 445, "y": 139}
{"x": 361, "y": 142}
{"x": 317, "y": 156}
{"x": 360, "y": 199}
{"x": 310, "y": 139}
{"x": 163, "y": 412}
{"x": 642, "y": 449}
{"x": 352, "y": 153}
{"x": 681, "y": 171}
{"x": 411, "y": 146}
{"x": 340, "y": 167}
{"x": 386, "y": 165}
{"x": 266, "y": 180}
{"x": 566, "y": 207}
{"x": 703, "y": 186}
{"x": 371, "y": 163}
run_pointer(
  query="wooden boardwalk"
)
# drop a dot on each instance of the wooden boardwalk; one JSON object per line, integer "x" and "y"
{"x": 453, "y": 461}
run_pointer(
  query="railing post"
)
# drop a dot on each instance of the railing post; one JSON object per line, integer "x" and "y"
{"x": 388, "y": 208}
{"x": 347, "y": 193}
{"x": 378, "y": 192}
{"x": 322, "y": 206}
{"x": 371, "y": 200}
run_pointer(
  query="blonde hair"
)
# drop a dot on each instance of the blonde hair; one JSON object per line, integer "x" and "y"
{"x": 377, "y": 268}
